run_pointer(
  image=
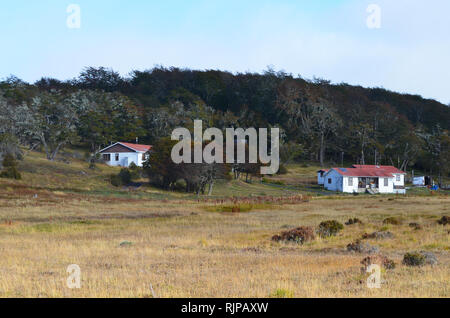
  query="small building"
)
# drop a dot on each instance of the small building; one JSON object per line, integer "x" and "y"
{"x": 365, "y": 178}
{"x": 123, "y": 154}
{"x": 320, "y": 176}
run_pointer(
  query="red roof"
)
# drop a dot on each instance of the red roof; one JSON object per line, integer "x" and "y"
{"x": 368, "y": 171}
{"x": 137, "y": 147}
{"x": 390, "y": 169}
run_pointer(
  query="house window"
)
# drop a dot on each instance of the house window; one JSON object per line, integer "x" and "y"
{"x": 144, "y": 157}
{"x": 117, "y": 157}
{"x": 397, "y": 178}
{"x": 329, "y": 180}
{"x": 350, "y": 182}
{"x": 386, "y": 182}
{"x": 106, "y": 157}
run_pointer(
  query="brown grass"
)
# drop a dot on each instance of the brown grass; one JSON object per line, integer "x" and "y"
{"x": 183, "y": 246}
{"x": 184, "y": 251}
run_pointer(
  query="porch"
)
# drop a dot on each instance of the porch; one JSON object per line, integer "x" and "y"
{"x": 368, "y": 183}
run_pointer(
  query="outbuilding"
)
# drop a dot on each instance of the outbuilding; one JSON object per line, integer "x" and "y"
{"x": 365, "y": 178}
{"x": 123, "y": 154}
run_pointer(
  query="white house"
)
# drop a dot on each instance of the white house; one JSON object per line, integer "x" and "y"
{"x": 123, "y": 154}
{"x": 365, "y": 178}
{"x": 321, "y": 176}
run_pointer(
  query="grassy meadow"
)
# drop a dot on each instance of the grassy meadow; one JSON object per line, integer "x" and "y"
{"x": 128, "y": 239}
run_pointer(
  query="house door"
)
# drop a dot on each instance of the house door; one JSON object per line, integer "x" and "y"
{"x": 125, "y": 162}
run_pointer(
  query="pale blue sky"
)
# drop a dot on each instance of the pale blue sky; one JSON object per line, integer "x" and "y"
{"x": 329, "y": 39}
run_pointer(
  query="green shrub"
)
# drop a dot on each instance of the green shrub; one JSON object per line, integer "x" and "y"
{"x": 414, "y": 259}
{"x": 10, "y": 168}
{"x": 282, "y": 169}
{"x": 444, "y": 220}
{"x": 283, "y": 293}
{"x": 299, "y": 235}
{"x": 115, "y": 180}
{"x": 329, "y": 228}
{"x": 125, "y": 176}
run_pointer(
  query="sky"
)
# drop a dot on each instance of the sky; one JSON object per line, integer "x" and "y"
{"x": 407, "y": 51}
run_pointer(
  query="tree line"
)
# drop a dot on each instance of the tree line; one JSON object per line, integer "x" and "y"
{"x": 319, "y": 121}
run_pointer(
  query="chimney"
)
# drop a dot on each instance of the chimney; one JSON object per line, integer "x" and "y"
{"x": 137, "y": 140}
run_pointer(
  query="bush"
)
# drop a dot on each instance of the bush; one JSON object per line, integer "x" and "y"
{"x": 283, "y": 293}
{"x": 392, "y": 220}
{"x": 379, "y": 260}
{"x": 378, "y": 235}
{"x": 10, "y": 168}
{"x": 361, "y": 247}
{"x": 125, "y": 176}
{"x": 135, "y": 171}
{"x": 115, "y": 180}
{"x": 282, "y": 169}
{"x": 414, "y": 259}
{"x": 444, "y": 220}
{"x": 299, "y": 235}
{"x": 329, "y": 228}
{"x": 416, "y": 226}
{"x": 353, "y": 221}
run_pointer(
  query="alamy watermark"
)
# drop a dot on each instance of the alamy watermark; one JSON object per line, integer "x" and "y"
{"x": 374, "y": 279}
{"x": 256, "y": 147}
{"x": 74, "y": 18}
{"x": 74, "y": 279}
{"x": 374, "y": 19}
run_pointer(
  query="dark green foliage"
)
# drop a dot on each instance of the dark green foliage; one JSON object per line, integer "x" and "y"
{"x": 414, "y": 259}
{"x": 319, "y": 121}
{"x": 353, "y": 221}
{"x": 135, "y": 171}
{"x": 115, "y": 180}
{"x": 125, "y": 176}
{"x": 10, "y": 168}
{"x": 329, "y": 228}
{"x": 444, "y": 220}
{"x": 282, "y": 169}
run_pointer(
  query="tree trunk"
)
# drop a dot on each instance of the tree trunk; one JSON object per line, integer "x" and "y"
{"x": 322, "y": 150}
{"x": 211, "y": 184}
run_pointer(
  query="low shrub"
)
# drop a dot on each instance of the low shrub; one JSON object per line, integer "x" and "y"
{"x": 125, "y": 176}
{"x": 329, "y": 228}
{"x": 378, "y": 235}
{"x": 360, "y": 247}
{"x": 283, "y": 293}
{"x": 444, "y": 220}
{"x": 378, "y": 259}
{"x": 115, "y": 180}
{"x": 413, "y": 259}
{"x": 298, "y": 235}
{"x": 353, "y": 221}
{"x": 10, "y": 168}
{"x": 415, "y": 226}
{"x": 392, "y": 220}
{"x": 282, "y": 169}
{"x": 419, "y": 259}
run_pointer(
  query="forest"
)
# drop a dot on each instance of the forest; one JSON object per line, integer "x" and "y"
{"x": 331, "y": 124}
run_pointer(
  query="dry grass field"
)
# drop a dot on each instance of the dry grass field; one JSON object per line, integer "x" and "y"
{"x": 184, "y": 247}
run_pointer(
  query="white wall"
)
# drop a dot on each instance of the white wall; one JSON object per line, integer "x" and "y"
{"x": 389, "y": 188}
{"x": 399, "y": 183}
{"x": 350, "y": 188}
{"x": 125, "y": 159}
{"x": 402, "y": 180}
